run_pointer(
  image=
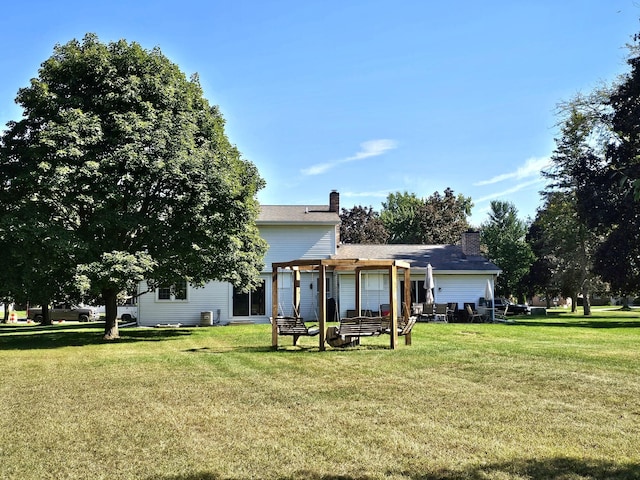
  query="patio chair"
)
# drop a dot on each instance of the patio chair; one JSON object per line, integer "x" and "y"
{"x": 472, "y": 314}
{"x": 427, "y": 314}
{"x": 452, "y": 311}
{"x": 441, "y": 312}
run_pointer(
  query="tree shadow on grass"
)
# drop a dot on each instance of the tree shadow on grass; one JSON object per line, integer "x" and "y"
{"x": 36, "y": 337}
{"x": 535, "y": 469}
{"x": 588, "y": 322}
{"x": 282, "y": 349}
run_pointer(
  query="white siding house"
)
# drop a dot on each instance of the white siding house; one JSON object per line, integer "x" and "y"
{"x": 292, "y": 232}
{"x": 299, "y": 232}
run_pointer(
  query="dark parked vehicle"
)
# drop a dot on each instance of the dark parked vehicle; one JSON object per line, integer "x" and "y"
{"x": 514, "y": 308}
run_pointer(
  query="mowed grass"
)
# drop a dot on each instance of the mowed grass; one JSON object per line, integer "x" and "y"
{"x": 554, "y": 397}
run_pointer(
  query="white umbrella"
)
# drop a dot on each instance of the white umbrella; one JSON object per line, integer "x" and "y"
{"x": 488, "y": 296}
{"x": 428, "y": 284}
{"x": 488, "y": 291}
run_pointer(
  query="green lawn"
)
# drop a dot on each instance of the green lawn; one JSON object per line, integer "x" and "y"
{"x": 554, "y": 397}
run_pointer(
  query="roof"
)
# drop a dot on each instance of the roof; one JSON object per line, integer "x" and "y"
{"x": 442, "y": 257}
{"x": 300, "y": 214}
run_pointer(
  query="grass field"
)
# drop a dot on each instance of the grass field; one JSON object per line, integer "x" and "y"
{"x": 554, "y": 397}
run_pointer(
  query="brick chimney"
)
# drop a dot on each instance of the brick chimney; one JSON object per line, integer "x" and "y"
{"x": 334, "y": 201}
{"x": 471, "y": 243}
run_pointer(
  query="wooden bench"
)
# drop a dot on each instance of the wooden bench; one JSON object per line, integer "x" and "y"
{"x": 295, "y": 327}
{"x": 361, "y": 326}
{"x": 404, "y": 327}
{"x": 348, "y": 333}
{"x": 350, "y": 330}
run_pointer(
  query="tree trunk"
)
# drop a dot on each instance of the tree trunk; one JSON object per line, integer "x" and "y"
{"x": 547, "y": 298}
{"x": 6, "y": 312}
{"x": 111, "y": 314}
{"x": 586, "y": 302}
{"x": 574, "y": 304}
{"x": 46, "y": 318}
{"x": 625, "y": 304}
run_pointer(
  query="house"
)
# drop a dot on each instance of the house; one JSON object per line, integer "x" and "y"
{"x": 300, "y": 232}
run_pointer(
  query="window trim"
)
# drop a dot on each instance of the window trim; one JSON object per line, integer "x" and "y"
{"x": 265, "y": 296}
{"x": 172, "y": 294}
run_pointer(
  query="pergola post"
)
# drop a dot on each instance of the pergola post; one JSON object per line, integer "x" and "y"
{"x": 407, "y": 302}
{"x": 296, "y": 291}
{"x": 358, "y": 286}
{"x": 274, "y": 308}
{"x": 393, "y": 305}
{"x": 322, "y": 310}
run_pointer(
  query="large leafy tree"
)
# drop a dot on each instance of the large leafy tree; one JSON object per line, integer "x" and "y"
{"x": 442, "y": 219}
{"x": 539, "y": 279}
{"x": 362, "y": 225}
{"x": 571, "y": 244}
{"x": 611, "y": 196}
{"x": 122, "y": 167}
{"x": 400, "y": 217}
{"x": 437, "y": 219}
{"x": 504, "y": 237}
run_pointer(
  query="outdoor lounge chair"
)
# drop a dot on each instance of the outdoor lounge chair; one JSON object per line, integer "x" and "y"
{"x": 473, "y": 315}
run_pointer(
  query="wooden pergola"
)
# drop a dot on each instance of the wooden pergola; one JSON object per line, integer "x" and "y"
{"x": 323, "y": 266}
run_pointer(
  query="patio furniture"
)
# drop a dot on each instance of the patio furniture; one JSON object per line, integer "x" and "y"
{"x": 472, "y": 314}
{"x": 348, "y": 333}
{"x": 405, "y": 327}
{"x": 452, "y": 311}
{"x": 441, "y": 312}
{"x": 295, "y": 327}
{"x": 500, "y": 316}
{"x": 427, "y": 314}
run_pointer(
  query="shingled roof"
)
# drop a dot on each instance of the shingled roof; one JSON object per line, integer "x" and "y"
{"x": 300, "y": 214}
{"x": 442, "y": 257}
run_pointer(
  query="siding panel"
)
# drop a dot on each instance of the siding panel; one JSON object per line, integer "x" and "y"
{"x": 306, "y": 242}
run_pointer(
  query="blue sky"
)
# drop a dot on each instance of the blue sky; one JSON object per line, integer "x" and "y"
{"x": 364, "y": 97}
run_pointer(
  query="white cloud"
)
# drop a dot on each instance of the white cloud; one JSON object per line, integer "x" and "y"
{"x": 377, "y": 194}
{"x": 531, "y": 168}
{"x": 371, "y": 148}
{"x": 514, "y": 189}
{"x": 318, "y": 168}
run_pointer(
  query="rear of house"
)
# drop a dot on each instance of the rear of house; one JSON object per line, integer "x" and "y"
{"x": 299, "y": 232}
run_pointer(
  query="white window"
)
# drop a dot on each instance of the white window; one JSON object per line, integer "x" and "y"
{"x": 178, "y": 292}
